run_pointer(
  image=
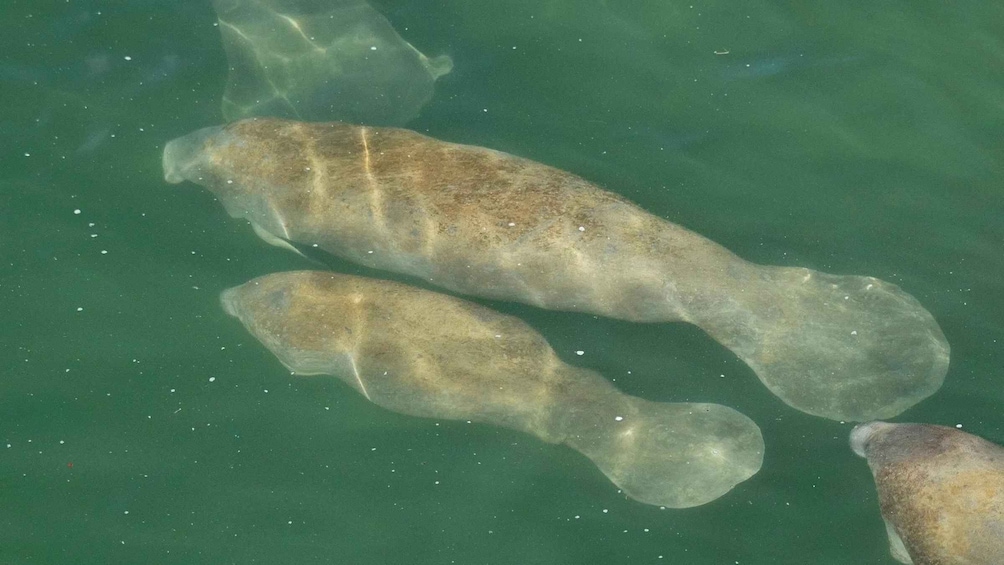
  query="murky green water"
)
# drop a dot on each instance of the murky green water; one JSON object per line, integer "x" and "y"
{"x": 140, "y": 424}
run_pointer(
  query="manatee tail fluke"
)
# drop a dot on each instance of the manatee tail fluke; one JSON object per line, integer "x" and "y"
{"x": 848, "y": 348}
{"x": 676, "y": 455}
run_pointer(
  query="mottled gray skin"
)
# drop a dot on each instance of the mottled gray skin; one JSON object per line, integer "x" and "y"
{"x": 484, "y": 223}
{"x": 941, "y": 492}
{"x": 426, "y": 354}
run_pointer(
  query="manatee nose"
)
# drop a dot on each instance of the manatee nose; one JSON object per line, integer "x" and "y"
{"x": 228, "y": 299}
{"x": 862, "y": 433}
{"x": 183, "y": 155}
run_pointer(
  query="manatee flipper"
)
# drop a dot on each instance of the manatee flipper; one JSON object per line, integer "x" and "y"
{"x": 426, "y": 354}
{"x": 896, "y": 546}
{"x": 272, "y": 239}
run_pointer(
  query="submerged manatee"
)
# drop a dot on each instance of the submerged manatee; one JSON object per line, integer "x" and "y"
{"x": 485, "y": 223}
{"x": 321, "y": 59}
{"x": 425, "y": 354}
{"x": 941, "y": 492}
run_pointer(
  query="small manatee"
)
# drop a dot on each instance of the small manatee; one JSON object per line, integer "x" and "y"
{"x": 426, "y": 354}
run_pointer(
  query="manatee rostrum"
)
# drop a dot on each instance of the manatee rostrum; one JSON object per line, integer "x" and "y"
{"x": 426, "y": 354}
{"x": 485, "y": 223}
{"x": 940, "y": 490}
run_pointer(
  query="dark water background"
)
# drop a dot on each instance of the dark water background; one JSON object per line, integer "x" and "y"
{"x": 140, "y": 424}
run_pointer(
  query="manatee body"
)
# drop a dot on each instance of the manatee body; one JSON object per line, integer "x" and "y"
{"x": 489, "y": 224}
{"x": 941, "y": 492}
{"x": 421, "y": 353}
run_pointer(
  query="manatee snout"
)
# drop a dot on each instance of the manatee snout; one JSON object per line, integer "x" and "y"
{"x": 863, "y": 433}
{"x": 228, "y": 299}
{"x": 183, "y": 155}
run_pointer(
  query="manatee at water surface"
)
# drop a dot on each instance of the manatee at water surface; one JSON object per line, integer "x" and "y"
{"x": 489, "y": 224}
{"x": 426, "y": 354}
{"x": 321, "y": 60}
{"x": 941, "y": 492}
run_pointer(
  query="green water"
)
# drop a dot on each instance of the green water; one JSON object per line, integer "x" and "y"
{"x": 140, "y": 424}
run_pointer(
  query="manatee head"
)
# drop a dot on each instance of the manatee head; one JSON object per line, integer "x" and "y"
{"x": 257, "y": 168}
{"x": 863, "y": 433}
{"x": 284, "y": 312}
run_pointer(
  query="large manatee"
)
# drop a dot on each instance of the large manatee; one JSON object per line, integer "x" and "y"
{"x": 485, "y": 223}
{"x": 426, "y": 354}
{"x": 941, "y": 492}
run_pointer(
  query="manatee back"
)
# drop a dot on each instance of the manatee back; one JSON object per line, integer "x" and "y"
{"x": 406, "y": 349}
{"x": 940, "y": 489}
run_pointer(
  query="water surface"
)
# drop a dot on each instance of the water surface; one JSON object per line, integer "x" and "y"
{"x": 139, "y": 424}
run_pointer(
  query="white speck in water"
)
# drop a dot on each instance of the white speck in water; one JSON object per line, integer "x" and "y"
{"x": 373, "y": 48}
{"x": 580, "y": 352}
{"x": 854, "y": 332}
{"x": 959, "y": 426}
{"x": 605, "y": 511}
{"x": 77, "y": 211}
{"x": 212, "y": 379}
{"x": 80, "y": 309}
{"x": 127, "y": 58}
{"x": 619, "y": 418}
{"x": 104, "y": 252}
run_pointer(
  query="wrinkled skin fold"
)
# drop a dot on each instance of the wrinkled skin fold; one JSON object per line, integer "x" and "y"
{"x": 426, "y": 354}
{"x": 485, "y": 223}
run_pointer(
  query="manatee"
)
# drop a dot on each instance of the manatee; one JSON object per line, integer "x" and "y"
{"x": 425, "y": 354}
{"x": 321, "y": 60}
{"x": 488, "y": 224}
{"x": 940, "y": 490}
